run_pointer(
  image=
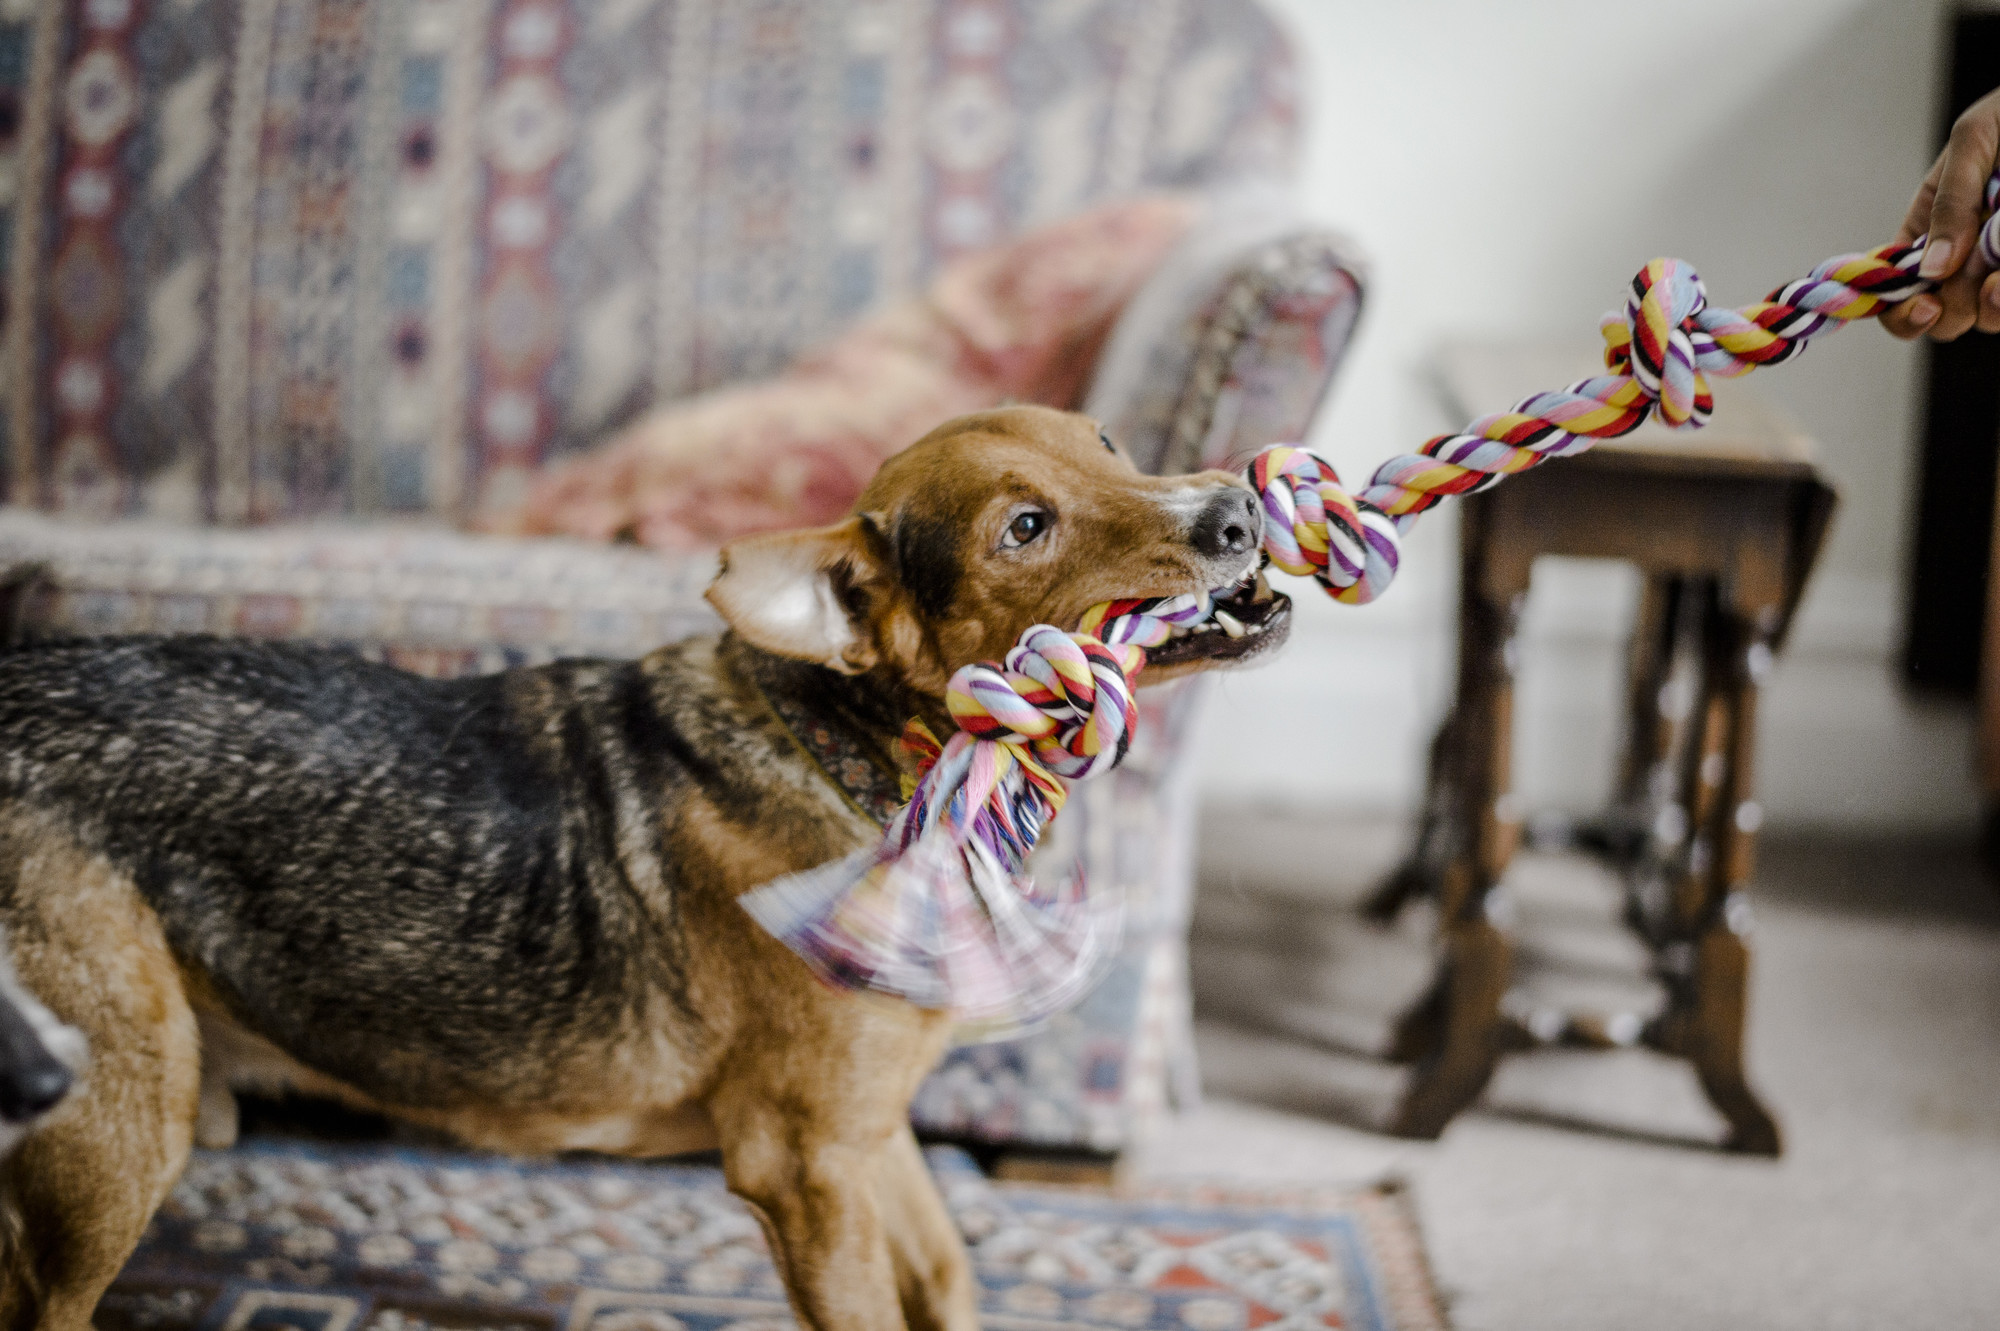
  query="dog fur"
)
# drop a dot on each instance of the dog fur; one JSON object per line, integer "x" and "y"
{"x": 505, "y": 907}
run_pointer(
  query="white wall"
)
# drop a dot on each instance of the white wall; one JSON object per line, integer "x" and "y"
{"x": 1507, "y": 167}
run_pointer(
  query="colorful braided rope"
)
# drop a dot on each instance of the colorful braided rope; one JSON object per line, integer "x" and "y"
{"x": 944, "y": 913}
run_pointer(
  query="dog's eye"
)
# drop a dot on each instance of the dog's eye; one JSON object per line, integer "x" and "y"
{"x": 1025, "y": 528}
{"x": 1107, "y": 442}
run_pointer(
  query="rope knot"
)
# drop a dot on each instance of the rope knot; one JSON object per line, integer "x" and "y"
{"x": 1312, "y": 525}
{"x": 1660, "y": 342}
{"x": 1064, "y": 697}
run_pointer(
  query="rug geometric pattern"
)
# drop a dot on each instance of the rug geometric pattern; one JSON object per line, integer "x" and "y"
{"x": 284, "y": 1236}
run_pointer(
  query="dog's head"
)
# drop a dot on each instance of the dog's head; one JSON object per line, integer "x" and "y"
{"x": 39, "y": 1058}
{"x": 992, "y": 523}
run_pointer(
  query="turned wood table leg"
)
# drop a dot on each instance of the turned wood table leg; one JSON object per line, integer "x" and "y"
{"x": 1456, "y": 1033}
{"x": 1650, "y": 806}
{"x": 1649, "y": 731}
{"x": 1707, "y": 968}
{"x": 1422, "y": 872}
{"x": 1442, "y": 826}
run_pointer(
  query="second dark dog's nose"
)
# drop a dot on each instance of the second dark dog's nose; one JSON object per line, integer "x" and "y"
{"x": 1230, "y": 524}
{"x": 29, "y": 1092}
{"x": 32, "y": 1079}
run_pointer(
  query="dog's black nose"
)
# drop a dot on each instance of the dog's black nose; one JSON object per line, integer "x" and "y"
{"x": 1229, "y": 524}
{"x": 32, "y": 1079}
{"x": 32, "y": 1088}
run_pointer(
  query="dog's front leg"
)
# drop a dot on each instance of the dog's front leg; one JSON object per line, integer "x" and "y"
{"x": 815, "y": 1194}
{"x": 932, "y": 1272}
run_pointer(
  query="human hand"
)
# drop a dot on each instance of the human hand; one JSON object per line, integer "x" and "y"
{"x": 1949, "y": 205}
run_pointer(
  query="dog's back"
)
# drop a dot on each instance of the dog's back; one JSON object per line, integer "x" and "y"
{"x": 325, "y": 838}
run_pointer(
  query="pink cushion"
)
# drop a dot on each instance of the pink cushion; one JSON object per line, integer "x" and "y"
{"x": 1022, "y": 321}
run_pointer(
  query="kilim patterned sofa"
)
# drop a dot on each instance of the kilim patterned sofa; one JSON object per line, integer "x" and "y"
{"x": 291, "y": 284}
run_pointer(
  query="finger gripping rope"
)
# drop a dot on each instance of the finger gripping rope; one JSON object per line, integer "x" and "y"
{"x": 943, "y": 911}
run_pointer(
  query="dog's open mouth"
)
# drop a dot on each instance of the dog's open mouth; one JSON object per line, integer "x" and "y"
{"x": 1246, "y": 620}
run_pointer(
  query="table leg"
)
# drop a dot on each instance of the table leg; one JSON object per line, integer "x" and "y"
{"x": 1707, "y": 970}
{"x": 1456, "y": 1032}
{"x": 1438, "y": 836}
{"x": 1659, "y": 778}
{"x": 1441, "y": 829}
{"x": 1649, "y": 730}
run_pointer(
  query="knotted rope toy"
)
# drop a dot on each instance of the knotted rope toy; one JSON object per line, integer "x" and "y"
{"x": 944, "y": 913}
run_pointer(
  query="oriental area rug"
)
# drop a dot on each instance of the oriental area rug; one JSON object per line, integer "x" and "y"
{"x": 294, "y": 1236}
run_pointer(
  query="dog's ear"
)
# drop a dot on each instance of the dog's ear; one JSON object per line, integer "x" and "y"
{"x": 805, "y": 594}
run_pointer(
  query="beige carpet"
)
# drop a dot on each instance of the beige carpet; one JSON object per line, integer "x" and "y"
{"x": 1582, "y": 1193}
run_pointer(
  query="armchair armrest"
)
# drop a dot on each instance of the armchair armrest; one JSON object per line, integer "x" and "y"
{"x": 422, "y": 597}
{"x": 1207, "y": 367}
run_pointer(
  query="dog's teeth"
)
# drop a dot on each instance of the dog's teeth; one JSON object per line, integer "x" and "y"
{"x": 1260, "y": 589}
{"x": 1229, "y": 624}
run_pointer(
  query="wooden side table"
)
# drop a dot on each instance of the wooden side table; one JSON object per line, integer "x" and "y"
{"x": 1725, "y": 525}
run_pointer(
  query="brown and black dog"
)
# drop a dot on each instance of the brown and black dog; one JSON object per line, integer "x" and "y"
{"x": 505, "y": 907}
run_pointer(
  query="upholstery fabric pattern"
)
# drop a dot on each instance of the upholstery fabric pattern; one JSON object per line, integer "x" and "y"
{"x": 1020, "y": 321}
{"x": 1249, "y": 366}
{"x": 363, "y": 1238}
{"x": 430, "y": 600}
{"x": 286, "y": 258}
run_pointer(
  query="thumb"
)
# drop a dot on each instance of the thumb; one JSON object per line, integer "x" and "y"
{"x": 1955, "y": 212}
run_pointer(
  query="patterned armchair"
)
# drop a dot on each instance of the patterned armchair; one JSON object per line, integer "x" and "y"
{"x": 291, "y": 285}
